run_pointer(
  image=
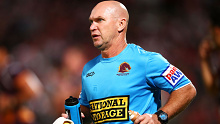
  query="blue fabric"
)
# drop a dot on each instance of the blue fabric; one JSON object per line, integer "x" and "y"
{"x": 132, "y": 80}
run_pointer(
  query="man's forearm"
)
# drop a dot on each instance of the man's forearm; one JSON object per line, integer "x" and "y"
{"x": 179, "y": 100}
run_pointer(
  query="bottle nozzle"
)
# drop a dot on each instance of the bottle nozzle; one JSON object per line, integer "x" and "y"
{"x": 133, "y": 115}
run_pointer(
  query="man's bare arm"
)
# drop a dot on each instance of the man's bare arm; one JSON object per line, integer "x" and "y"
{"x": 179, "y": 100}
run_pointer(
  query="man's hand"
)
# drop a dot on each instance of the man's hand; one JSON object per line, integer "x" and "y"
{"x": 147, "y": 119}
{"x": 66, "y": 116}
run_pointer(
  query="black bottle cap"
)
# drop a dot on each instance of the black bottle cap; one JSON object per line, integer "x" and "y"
{"x": 71, "y": 101}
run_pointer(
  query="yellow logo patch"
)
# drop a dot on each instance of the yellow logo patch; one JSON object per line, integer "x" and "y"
{"x": 110, "y": 109}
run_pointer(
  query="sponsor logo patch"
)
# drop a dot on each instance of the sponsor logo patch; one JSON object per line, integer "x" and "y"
{"x": 173, "y": 75}
{"x": 110, "y": 109}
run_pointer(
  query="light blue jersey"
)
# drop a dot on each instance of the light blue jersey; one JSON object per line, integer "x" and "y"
{"x": 132, "y": 80}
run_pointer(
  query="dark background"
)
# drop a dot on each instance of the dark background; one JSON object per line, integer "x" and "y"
{"x": 39, "y": 33}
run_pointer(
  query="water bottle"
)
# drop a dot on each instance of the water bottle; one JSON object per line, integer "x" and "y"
{"x": 72, "y": 108}
{"x": 133, "y": 115}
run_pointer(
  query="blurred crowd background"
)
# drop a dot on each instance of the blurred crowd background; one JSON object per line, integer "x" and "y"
{"x": 44, "y": 45}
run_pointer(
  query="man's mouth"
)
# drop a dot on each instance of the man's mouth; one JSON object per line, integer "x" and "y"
{"x": 95, "y": 36}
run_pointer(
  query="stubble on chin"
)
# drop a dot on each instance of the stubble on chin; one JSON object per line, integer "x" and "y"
{"x": 101, "y": 47}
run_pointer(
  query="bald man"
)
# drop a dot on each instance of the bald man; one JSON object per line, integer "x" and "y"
{"x": 109, "y": 21}
{"x": 125, "y": 77}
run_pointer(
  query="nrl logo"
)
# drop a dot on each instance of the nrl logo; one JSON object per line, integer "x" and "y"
{"x": 123, "y": 68}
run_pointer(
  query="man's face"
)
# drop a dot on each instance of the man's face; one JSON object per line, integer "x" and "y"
{"x": 103, "y": 26}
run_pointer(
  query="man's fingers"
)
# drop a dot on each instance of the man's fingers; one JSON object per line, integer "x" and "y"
{"x": 150, "y": 115}
{"x": 82, "y": 115}
{"x": 143, "y": 119}
{"x": 64, "y": 115}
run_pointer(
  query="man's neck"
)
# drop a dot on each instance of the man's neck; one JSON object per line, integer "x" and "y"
{"x": 114, "y": 50}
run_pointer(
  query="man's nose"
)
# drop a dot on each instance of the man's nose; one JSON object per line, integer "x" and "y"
{"x": 93, "y": 26}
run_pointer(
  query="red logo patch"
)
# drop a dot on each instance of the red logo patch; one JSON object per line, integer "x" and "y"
{"x": 124, "y": 67}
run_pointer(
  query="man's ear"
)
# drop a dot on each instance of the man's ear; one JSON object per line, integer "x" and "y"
{"x": 122, "y": 24}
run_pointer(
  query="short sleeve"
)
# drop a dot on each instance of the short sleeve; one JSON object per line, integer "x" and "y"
{"x": 163, "y": 75}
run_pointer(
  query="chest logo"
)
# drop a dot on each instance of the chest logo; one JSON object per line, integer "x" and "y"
{"x": 124, "y": 68}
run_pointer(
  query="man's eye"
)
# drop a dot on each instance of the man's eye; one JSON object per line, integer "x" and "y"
{"x": 100, "y": 20}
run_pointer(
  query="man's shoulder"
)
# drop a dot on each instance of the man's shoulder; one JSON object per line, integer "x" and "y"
{"x": 139, "y": 50}
{"x": 92, "y": 62}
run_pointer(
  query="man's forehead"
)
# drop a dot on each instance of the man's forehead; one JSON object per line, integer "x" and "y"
{"x": 96, "y": 17}
{"x": 102, "y": 12}
{"x": 95, "y": 14}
